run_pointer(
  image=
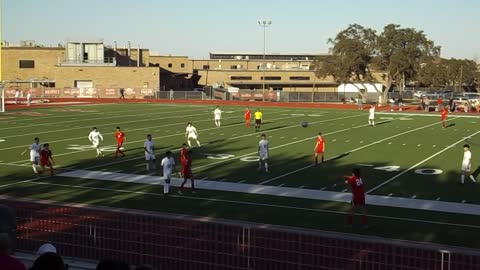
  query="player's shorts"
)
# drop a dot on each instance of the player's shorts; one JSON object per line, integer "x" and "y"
{"x": 358, "y": 199}
{"x": 149, "y": 156}
{"x": 217, "y": 118}
{"x": 187, "y": 174}
{"x": 466, "y": 167}
{"x": 444, "y": 118}
{"x": 119, "y": 143}
{"x": 192, "y": 136}
{"x": 45, "y": 163}
{"x": 371, "y": 118}
{"x": 95, "y": 143}
{"x": 247, "y": 119}
{"x": 258, "y": 121}
{"x": 263, "y": 155}
{"x": 320, "y": 151}
{"x": 34, "y": 158}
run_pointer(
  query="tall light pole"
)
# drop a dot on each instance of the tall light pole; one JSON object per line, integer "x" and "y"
{"x": 264, "y": 24}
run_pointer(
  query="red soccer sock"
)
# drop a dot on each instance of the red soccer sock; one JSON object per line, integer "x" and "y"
{"x": 316, "y": 159}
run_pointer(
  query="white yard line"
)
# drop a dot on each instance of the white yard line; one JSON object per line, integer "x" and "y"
{"x": 407, "y": 203}
{"x": 427, "y": 114}
{"x": 97, "y": 125}
{"x": 351, "y": 151}
{"x": 420, "y": 163}
{"x": 86, "y": 119}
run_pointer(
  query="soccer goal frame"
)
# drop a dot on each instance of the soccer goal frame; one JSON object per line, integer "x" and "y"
{"x": 2, "y": 89}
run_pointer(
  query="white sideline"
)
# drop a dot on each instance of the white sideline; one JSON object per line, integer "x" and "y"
{"x": 426, "y": 114}
{"x": 438, "y": 206}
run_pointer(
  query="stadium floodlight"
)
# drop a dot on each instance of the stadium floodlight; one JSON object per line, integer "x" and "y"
{"x": 264, "y": 24}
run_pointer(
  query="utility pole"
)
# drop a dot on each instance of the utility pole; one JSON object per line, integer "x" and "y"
{"x": 264, "y": 24}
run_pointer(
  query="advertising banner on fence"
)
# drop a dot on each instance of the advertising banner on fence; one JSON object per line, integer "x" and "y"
{"x": 71, "y": 92}
{"x": 48, "y": 92}
{"x": 10, "y": 92}
{"x": 35, "y": 92}
{"x": 111, "y": 92}
{"x": 130, "y": 92}
{"x": 88, "y": 92}
{"x": 146, "y": 93}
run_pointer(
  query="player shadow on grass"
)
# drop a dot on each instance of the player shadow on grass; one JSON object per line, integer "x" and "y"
{"x": 383, "y": 122}
{"x": 450, "y": 125}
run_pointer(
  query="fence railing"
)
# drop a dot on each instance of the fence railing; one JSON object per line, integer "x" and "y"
{"x": 182, "y": 242}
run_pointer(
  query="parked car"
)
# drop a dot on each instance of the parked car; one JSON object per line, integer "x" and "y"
{"x": 419, "y": 94}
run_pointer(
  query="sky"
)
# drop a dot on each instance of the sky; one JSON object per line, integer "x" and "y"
{"x": 196, "y": 27}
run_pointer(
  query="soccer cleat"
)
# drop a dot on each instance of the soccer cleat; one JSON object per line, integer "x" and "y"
{"x": 194, "y": 192}
{"x": 180, "y": 192}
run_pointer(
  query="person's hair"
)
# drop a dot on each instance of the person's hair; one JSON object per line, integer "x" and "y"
{"x": 36, "y": 139}
{"x": 189, "y": 123}
{"x": 184, "y": 144}
{"x": 109, "y": 264}
{"x": 466, "y": 145}
{"x": 118, "y": 127}
{"x": 94, "y": 128}
{"x": 148, "y": 135}
{"x": 46, "y": 145}
{"x": 263, "y": 135}
{"x": 319, "y": 133}
{"x": 168, "y": 153}
{"x": 49, "y": 261}
{"x": 356, "y": 172}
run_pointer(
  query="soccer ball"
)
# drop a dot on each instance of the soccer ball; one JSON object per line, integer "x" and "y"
{"x": 304, "y": 124}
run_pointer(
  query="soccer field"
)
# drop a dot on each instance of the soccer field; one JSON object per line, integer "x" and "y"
{"x": 410, "y": 166}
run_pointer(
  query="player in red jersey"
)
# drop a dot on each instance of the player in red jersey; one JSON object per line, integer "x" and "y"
{"x": 358, "y": 198}
{"x": 248, "y": 115}
{"x": 187, "y": 171}
{"x": 319, "y": 147}
{"x": 120, "y": 136}
{"x": 46, "y": 159}
{"x": 444, "y": 116}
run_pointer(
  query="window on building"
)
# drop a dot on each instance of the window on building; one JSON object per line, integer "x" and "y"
{"x": 145, "y": 84}
{"x": 241, "y": 78}
{"x": 300, "y": 78}
{"x": 170, "y": 65}
{"x": 206, "y": 66}
{"x": 182, "y": 65}
{"x": 272, "y": 78}
{"x": 233, "y": 67}
{"x": 26, "y": 63}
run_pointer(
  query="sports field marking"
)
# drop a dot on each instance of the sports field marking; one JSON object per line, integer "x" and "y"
{"x": 420, "y": 163}
{"x": 408, "y": 203}
{"x": 88, "y": 119}
{"x": 264, "y": 205}
{"x": 128, "y": 130}
{"x": 427, "y": 114}
{"x": 350, "y": 151}
{"x": 158, "y": 108}
{"x": 99, "y": 125}
{"x": 182, "y": 133}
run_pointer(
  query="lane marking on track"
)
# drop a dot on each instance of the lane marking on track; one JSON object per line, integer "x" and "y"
{"x": 420, "y": 163}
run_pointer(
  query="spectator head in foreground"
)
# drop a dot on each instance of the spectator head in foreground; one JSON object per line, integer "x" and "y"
{"x": 112, "y": 265}
{"x": 49, "y": 261}
{"x": 46, "y": 248}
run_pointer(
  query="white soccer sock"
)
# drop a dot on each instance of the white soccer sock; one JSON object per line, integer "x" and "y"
{"x": 473, "y": 178}
{"x": 34, "y": 167}
{"x": 198, "y": 143}
{"x": 260, "y": 165}
{"x": 148, "y": 166}
{"x": 165, "y": 188}
{"x": 168, "y": 187}
{"x": 462, "y": 179}
{"x": 266, "y": 166}
{"x": 189, "y": 144}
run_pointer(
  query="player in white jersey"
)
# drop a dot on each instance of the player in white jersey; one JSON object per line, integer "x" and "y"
{"x": 167, "y": 163}
{"x": 95, "y": 137}
{"x": 34, "y": 153}
{"x": 263, "y": 151}
{"x": 217, "y": 114}
{"x": 191, "y": 133}
{"x": 371, "y": 116}
{"x": 467, "y": 164}
{"x": 149, "y": 148}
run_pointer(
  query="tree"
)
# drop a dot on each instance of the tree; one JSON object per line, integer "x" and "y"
{"x": 453, "y": 73}
{"x": 350, "y": 55}
{"x": 400, "y": 52}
